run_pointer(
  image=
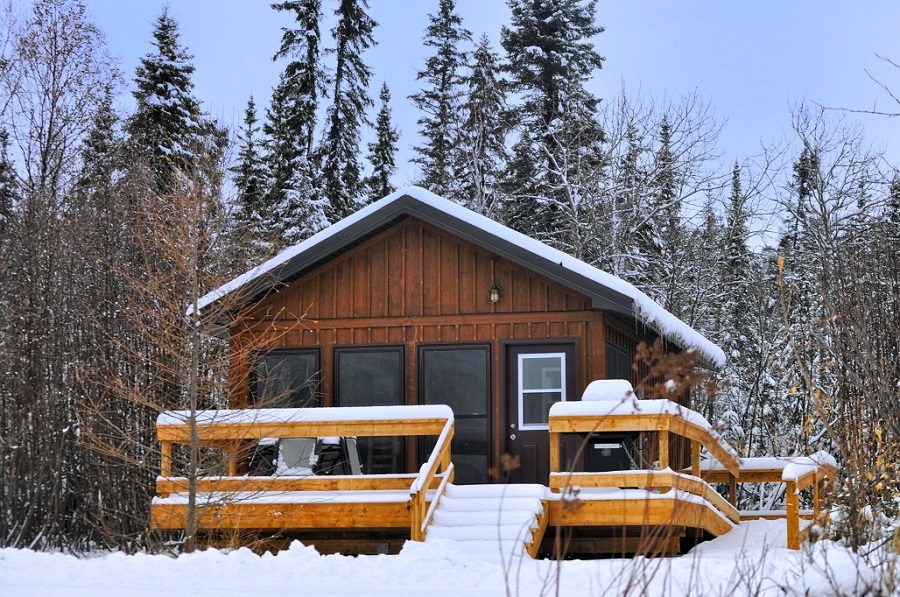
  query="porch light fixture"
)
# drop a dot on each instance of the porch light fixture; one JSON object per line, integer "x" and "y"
{"x": 494, "y": 293}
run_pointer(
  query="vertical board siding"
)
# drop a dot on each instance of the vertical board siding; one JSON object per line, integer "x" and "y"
{"x": 426, "y": 281}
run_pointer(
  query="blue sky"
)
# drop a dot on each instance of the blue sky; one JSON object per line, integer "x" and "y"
{"x": 751, "y": 60}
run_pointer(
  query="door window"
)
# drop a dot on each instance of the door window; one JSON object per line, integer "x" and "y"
{"x": 542, "y": 382}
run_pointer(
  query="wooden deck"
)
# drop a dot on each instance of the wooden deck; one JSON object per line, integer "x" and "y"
{"x": 410, "y": 503}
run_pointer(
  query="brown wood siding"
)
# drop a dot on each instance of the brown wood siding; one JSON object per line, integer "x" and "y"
{"x": 415, "y": 284}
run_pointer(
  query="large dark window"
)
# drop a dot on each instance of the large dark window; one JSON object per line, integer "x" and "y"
{"x": 372, "y": 377}
{"x": 286, "y": 379}
{"x": 460, "y": 378}
{"x": 617, "y": 364}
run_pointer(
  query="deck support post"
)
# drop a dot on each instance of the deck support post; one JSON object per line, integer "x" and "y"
{"x": 817, "y": 498}
{"x": 793, "y": 515}
{"x": 165, "y": 466}
{"x": 695, "y": 458}
{"x": 233, "y": 459}
{"x": 554, "y": 452}
{"x": 732, "y": 490}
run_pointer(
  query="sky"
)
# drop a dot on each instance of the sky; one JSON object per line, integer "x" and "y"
{"x": 752, "y": 61}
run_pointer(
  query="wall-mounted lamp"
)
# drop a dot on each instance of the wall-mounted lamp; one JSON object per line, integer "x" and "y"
{"x": 494, "y": 293}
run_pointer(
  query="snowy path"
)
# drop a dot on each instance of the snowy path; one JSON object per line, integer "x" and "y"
{"x": 750, "y": 557}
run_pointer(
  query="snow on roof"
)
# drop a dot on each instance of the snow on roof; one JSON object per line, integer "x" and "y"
{"x": 308, "y": 415}
{"x": 645, "y": 308}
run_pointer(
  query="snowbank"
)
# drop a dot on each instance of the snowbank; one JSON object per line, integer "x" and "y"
{"x": 646, "y": 309}
{"x": 751, "y": 559}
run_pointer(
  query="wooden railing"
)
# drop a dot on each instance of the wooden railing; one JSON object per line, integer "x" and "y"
{"x": 798, "y": 473}
{"x": 601, "y": 417}
{"x": 229, "y": 429}
{"x": 648, "y": 480}
{"x": 664, "y": 418}
{"x": 420, "y": 518}
{"x": 816, "y": 472}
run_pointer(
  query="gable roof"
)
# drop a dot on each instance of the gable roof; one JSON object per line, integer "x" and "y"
{"x": 606, "y": 291}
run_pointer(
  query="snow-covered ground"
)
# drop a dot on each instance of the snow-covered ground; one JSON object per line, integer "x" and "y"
{"x": 752, "y": 559}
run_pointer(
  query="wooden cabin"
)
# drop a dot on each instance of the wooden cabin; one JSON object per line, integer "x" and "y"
{"x": 417, "y": 300}
{"x": 416, "y": 303}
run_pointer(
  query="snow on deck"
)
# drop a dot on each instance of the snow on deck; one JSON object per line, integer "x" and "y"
{"x": 803, "y": 465}
{"x": 355, "y": 496}
{"x": 633, "y": 406}
{"x": 791, "y": 467}
{"x": 645, "y": 308}
{"x": 338, "y": 414}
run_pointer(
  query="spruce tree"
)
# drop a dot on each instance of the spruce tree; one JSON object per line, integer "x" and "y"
{"x": 383, "y": 152}
{"x": 658, "y": 221}
{"x": 340, "y": 168}
{"x": 521, "y": 187}
{"x": 249, "y": 173}
{"x": 439, "y": 99}
{"x": 735, "y": 250}
{"x": 549, "y": 59}
{"x": 7, "y": 182}
{"x": 292, "y": 203}
{"x": 482, "y": 138}
{"x": 549, "y": 52}
{"x": 99, "y": 155}
{"x": 167, "y": 126}
{"x": 893, "y": 209}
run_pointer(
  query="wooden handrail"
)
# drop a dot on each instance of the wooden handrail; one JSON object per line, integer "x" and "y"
{"x": 648, "y": 479}
{"x": 664, "y": 422}
{"x": 418, "y": 490}
{"x": 438, "y": 494}
{"x": 816, "y": 478}
{"x": 225, "y": 431}
{"x": 169, "y": 485}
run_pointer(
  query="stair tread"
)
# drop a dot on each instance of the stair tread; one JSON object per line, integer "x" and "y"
{"x": 497, "y": 491}
{"x": 491, "y": 505}
{"x": 482, "y": 533}
{"x": 468, "y": 518}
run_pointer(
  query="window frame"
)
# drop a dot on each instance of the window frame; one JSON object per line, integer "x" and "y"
{"x": 521, "y": 391}
{"x": 337, "y": 351}
{"x": 316, "y": 351}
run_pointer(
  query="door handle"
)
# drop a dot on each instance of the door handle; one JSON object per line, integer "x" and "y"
{"x": 512, "y": 436}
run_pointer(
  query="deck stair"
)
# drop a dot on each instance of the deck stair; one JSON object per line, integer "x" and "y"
{"x": 499, "y": 519}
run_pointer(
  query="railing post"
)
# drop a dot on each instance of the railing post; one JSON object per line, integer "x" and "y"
{"x": 793, "y": 516}
{"x": 233, "y": 459}
{"x": 817, "y": 497}
{"x": 732, "y": 490}
{"x": 663, "y": 449}
{"x": 165, "y": 466}
{"x": 554, "y": 452}
{"x": 695, "y": 458}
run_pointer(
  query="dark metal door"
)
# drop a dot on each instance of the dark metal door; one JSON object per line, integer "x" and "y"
{"x": 537, "y": 375}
